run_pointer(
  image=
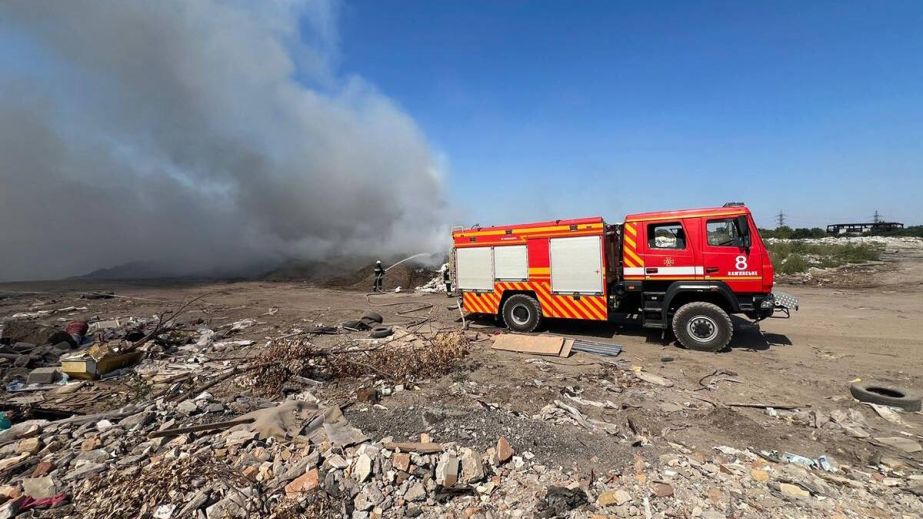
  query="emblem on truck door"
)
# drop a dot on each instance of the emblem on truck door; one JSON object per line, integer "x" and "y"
{"x": 668, "y": 261}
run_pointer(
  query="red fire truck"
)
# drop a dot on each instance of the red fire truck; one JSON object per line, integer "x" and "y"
{"x": 684, "y": 271}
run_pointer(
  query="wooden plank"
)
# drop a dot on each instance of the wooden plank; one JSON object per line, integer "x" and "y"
{"x": 200, "y": 428}
{"x": 534, "y": 344}
{"x": 568, "y": 345}
{"x": 422, "y": 448}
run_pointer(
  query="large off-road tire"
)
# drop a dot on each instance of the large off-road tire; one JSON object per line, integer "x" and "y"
{"x": 522, "y": 313}
{"x": 885, "y": 394}
{"x": 702, "y": 326}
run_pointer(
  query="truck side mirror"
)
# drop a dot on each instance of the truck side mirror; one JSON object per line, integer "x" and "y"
{"x": 743, "y": 230}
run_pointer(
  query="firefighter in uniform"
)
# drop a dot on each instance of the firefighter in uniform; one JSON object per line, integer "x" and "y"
{"x": 379, "y": 277}
{"x": 447, "y": 280}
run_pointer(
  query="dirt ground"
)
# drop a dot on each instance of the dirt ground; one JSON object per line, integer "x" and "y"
{"x": 839, "y": 334}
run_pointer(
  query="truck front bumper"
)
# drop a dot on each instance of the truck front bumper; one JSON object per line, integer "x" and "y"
{"x": 782, "y": 302}
{"x": 767, "y": 305}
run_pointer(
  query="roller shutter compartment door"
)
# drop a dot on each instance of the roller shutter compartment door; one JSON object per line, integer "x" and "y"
{"x": 576, "y": 265}
{"x": 475, "y": 268}
{"x": 511, "y": 263}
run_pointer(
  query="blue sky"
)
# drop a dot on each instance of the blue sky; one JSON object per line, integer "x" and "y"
{"x": 552, "y": 109}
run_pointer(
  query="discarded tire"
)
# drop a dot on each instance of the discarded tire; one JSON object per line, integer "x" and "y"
{"x": 883, "y": 394}
{"x": 368, "y": 324}
{"x": 323, "y": 330}
{"x": 355, "y": 325}
{"x": 372, "y": 316}
{"x": 380, "y": 332}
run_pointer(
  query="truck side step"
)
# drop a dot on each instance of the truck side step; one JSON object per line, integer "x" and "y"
{"x": 653, "y": 324}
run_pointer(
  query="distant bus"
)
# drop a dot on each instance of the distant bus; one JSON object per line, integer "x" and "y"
{"x": 862, "y": 228}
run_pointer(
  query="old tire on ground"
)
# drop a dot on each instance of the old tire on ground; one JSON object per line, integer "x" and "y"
{"x": 369, "y": 323}
{"x": 380, "y": 332}
{"x": 372, "y": 316}
{"x": 702, "y": 326}
{"x": 355, "y": 325}
{"x": 522, "y": 313}
{"x": 884, "y": 394}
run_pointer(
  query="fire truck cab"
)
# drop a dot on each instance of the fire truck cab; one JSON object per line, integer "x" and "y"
{"x": 683, "y": 271}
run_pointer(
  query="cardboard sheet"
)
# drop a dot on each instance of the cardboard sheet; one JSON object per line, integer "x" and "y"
{"x": 534, "y": 344}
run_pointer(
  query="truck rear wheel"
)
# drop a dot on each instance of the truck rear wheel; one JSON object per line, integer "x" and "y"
{"x": 702, "y": 326}
{"x": 522, "y": 313}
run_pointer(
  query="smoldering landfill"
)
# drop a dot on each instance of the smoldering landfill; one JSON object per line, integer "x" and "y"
{"x": 218, "y": 159}
{"x": 117, "y": 406}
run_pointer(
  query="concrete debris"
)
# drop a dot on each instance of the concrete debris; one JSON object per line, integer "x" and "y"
{"x": 447, "y": 470}
{"x": 472, "y": 467}
{"x": 48, "y": 375}
{"x": 888, "y": 413}
{"x": 307, "y": 482}
{"x": 561, "y": 413}
{"x": 613, "y": 498}
{"x": 164, "y": 511}
{"x": 651, "y": 378}
{"x": 852, "y": 422}
{"x": 363, "y": 468}
{"x": 504, "y": 451}
{"x": 789, "y": 489}
{"x": 898, "y": 442}
{"x": 416, "y": 492}
{"x": 246, "y": 473}
{"x": 39, "y": 488}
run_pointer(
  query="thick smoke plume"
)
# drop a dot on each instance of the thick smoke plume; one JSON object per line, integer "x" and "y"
{"x": 197, "y": 135}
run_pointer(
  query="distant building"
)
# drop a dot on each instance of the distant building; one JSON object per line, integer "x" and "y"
{"x": 862, "y": 228}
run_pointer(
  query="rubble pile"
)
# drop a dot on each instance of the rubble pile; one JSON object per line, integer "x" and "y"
{"x": 107, "y": 349}
{"x": 26, "y": 344}
{"x": 735, "y": 483}
{"x": 292, "y": 459}
{"x": 297, "y": 458}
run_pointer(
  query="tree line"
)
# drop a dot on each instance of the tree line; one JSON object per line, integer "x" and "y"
{"x": 787, "y": 233}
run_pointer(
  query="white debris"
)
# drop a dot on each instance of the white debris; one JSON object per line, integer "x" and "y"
{"x": 895, "y": 242}
{"x": 242, "y": 324}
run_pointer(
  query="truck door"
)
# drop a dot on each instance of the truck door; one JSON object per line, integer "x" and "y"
{"x": 667, "y": 252}
{"x": 729, "y": 255}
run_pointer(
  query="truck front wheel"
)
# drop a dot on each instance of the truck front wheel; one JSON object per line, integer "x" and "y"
{"x": 702, "y": 326}
{"x": 522, "y": 313}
